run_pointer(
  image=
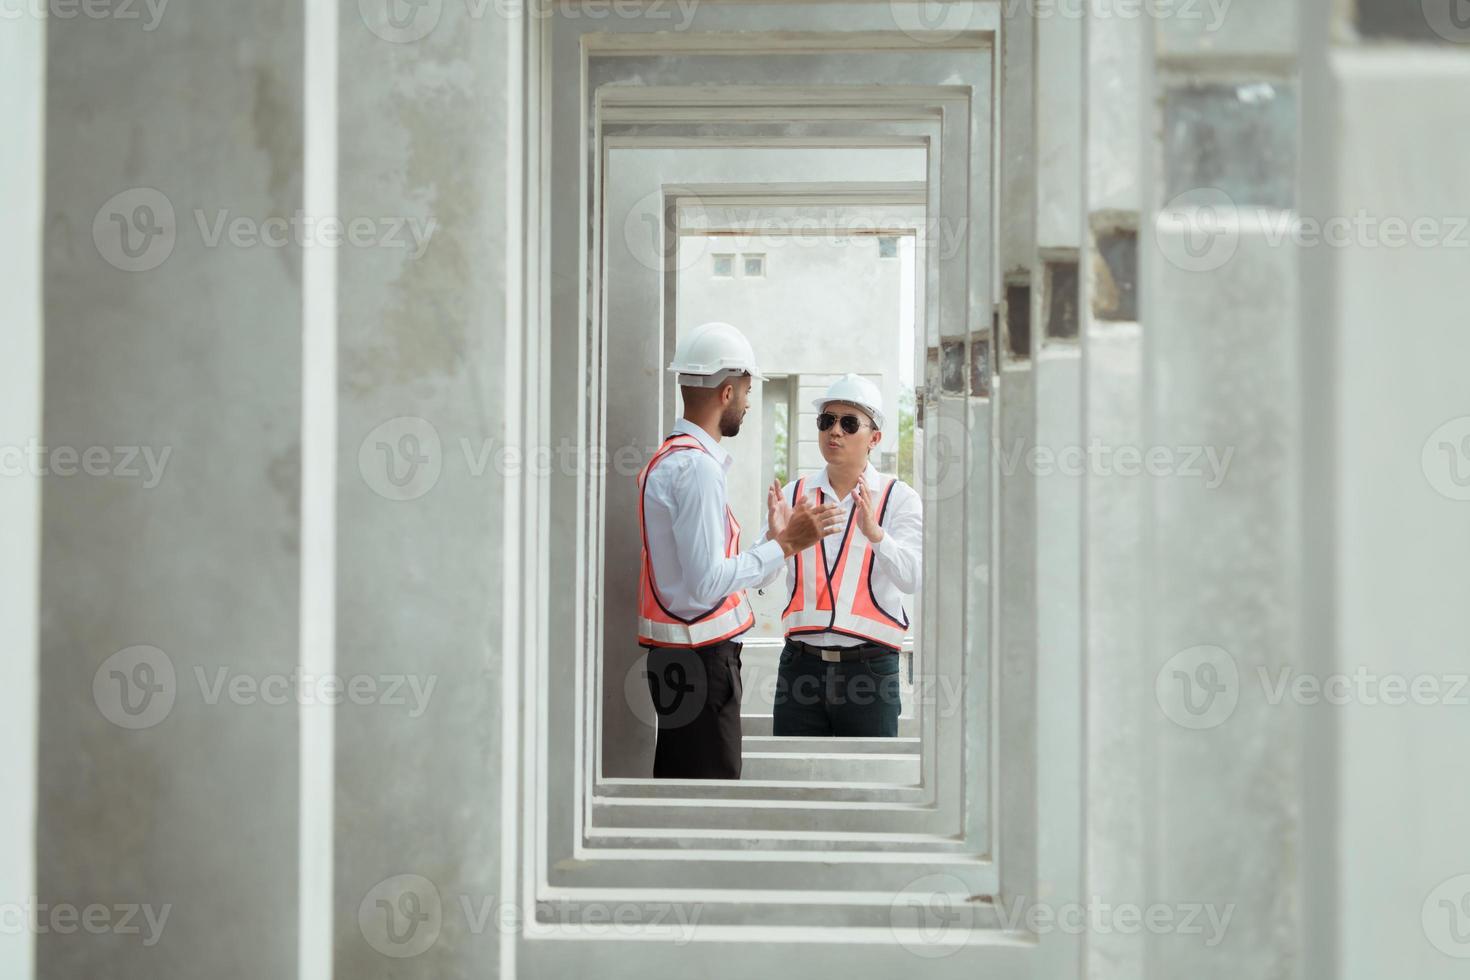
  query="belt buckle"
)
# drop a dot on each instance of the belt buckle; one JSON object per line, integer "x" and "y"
{"x": 832, "y": 655}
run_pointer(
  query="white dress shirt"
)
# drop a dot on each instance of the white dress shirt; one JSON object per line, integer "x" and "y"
{"x": 684, "y": 507}
{"x": 898, "y": 560}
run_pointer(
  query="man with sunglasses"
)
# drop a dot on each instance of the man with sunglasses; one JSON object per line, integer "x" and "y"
{"x": 844, "y": 620}
{"x": 693, "y": 575}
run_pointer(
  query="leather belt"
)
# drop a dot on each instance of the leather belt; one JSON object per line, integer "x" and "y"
{"x": 832, "y": 655}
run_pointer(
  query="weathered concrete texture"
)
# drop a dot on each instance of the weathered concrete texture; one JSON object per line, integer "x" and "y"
{"x": 1402, "y": 475}
{"x": 1015, "y": 435}
{"x": 1116, "y": 59}
{"x": 1058, "y": 543}
{"x": 1059, "y": 72}
{"x": 1222, "y": 571}
{"x": 980, "y": 625}
{"x": 1112, "y": 506}
{"x": 1017, "y": 322}
{"x": 1017, "y": 212}
{"x": 1228, "y": 28}
{"x": 424, "y": 136}
{"x": 1062, "y": 298}
{"x": 1114, "y": 273}
{"x": 1236, "y": 138}
{"x": 1119, "y": 702}
{"x": 1436, "y": 21}
{"x": 196, "y": 354}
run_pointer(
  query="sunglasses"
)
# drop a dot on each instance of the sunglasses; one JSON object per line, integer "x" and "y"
{"x": 850, "y": 423}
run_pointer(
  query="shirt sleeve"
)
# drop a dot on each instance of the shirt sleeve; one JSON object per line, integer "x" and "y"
{"x": 900, "y": 554}
{"x": 699, "y": 539}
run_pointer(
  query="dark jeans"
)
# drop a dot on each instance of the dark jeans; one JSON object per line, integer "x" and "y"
{"x": 696, "y": 694}
{"x": 851, "y": 699}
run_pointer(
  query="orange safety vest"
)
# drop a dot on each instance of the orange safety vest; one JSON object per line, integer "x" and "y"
{"x": 840, "y": 599}
{"x": 659, "y": 627}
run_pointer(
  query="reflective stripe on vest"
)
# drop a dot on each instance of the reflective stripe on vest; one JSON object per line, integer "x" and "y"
{"x": 841, "y": 599}
{"x": 657, "y": 626}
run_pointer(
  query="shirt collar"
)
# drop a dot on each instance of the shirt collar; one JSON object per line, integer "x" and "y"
{"x": 870, "y": 474}
{"x": 684, "y": 427}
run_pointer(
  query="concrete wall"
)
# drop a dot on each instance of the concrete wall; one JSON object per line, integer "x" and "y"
{"x": 1335, "y": 543}
{"x": 426, "y": 355}
{"x": 1389, "y": 493}
{"x": 158, "y": 789}
{"x": 1118, "y": 62}
{"x": 1222, "y": 572}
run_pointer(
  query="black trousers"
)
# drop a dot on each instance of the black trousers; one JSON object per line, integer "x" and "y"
{"x": 851, "y": 699}
{"x": 696, "y": 694}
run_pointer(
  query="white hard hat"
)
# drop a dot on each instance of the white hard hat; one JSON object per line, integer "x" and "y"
{"x": 855, "y": 390}
{"x": 710, "y": 354}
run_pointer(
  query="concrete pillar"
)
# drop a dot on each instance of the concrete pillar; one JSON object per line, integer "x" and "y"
{"x": 1011, "y": 414}
{"x": 1388, "y": 489}
{"x": 1055, "y": 414}
{"x": 22, "y": 104}
{"x": 169, "y": 555}
{"x": 428, "y": 371}
{"x": 1117, "y": 60}
{"x": 1222, "y": 555}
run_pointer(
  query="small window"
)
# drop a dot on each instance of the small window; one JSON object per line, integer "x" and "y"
{"x": 724, "y": 266}
{"x": 755, "y": 266}
{"x": 888, "y": 247}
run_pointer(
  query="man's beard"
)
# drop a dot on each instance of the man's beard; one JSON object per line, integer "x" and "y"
{"x": 730, "y": 422}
